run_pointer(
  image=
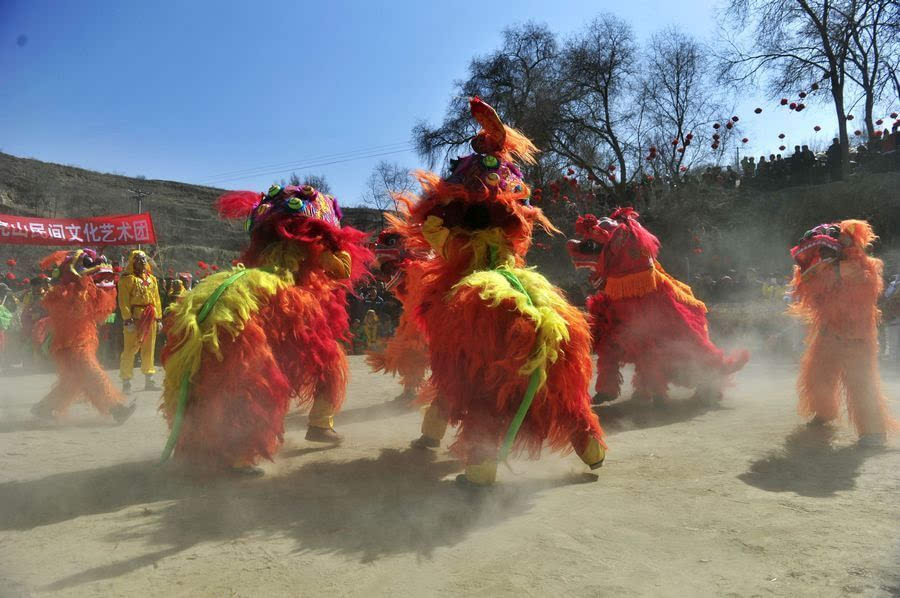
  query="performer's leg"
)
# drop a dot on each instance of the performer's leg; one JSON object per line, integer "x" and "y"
{"x": 819, "y": 377}
{"x": 609, "y": 376}
{"x": 148, "y": 352}
{"x": 479, "y": 445}
{"x": 328, "y": 400}
{"x": 65, "y": 392}
{"x": 126, "y": 361}
{"x": 866, "y": 403}
{"x": 650, "y": 380}
{"x": 434, "y": 426}
{"x": 588, "y": 442}
{"x": 99, "y": 390}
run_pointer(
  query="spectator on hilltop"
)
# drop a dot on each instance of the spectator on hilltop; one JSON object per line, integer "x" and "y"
{"x": 833, "y": 160}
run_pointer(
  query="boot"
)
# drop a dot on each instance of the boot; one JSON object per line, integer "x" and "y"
{"x": 42, "y": 410}
{"x": 149, "y": 384}
{"x": 324, "y": 435}
{"x": 872, "y": 440}
{"x": 122, "y": 412}
{"x": 602, "y": 397}
{"x": 424, "y": 442}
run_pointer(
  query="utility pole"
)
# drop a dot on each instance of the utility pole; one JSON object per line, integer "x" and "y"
{"x": 140, "y": 194}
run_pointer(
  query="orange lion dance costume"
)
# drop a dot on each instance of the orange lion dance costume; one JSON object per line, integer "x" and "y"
{"x": 83, "y": 296}
{"x": 641, "y": 315}
{"x": 510, "y": 357}
{"x": 836, "y": 288}
{"x": 244, "y": 342}
{"x": 406, "y": 353}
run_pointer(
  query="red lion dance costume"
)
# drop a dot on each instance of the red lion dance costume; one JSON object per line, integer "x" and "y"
{"x": 510, "y": 357}
{"x": 83, "y": 296}
{"x": 406, "y": 353}
{"x": 243, "y": 342}
{"x": 641, "y": 315}
{"x": 836, "y": 288}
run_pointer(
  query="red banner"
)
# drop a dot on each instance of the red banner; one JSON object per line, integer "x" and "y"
{"x": 131, "y": 229}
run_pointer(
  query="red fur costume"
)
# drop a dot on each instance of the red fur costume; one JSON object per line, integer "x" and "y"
{"x": 836, "y": 289}
{"x": 641, "y": 315}
{"x": 83, "y": 295}
{"x": 244, "y": 342}
{"x": 406, "y": 353}
{"x": 493, "y": 327}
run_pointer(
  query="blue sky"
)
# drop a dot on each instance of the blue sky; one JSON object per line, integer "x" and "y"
{"x": 192, "y": 89}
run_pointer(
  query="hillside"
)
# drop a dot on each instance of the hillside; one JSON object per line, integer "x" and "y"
{"x": 186, "y": 225}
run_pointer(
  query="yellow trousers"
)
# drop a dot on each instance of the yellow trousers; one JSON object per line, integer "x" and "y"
{"x": 147, "y": 349}
{"x": 322, "y": 414}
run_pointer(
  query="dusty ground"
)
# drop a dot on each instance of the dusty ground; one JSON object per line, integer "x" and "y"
{"x": 740, "y": 500}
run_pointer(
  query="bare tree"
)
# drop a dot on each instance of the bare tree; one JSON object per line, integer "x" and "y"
{"x": 386, "y": 180}
{"x": 520, "y": 80}
{"x": 681, "y": 103}
{"x": 795, "y": 43}
{"x": 313, "y": 180}
{"x": 873, "y": 28}
{"x": 599, "y": 117}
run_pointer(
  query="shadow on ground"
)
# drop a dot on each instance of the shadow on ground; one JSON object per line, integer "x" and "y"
{"x": 637, "y": 413}
{"x": 399, "y": 502}
{"x": 809, "y": 464}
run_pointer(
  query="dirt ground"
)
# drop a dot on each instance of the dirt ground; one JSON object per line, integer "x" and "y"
{"x": 737, "y": 500}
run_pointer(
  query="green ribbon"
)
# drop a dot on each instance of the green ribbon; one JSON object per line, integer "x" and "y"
{"x": 185, "y": 389}
{"x": 6, "y": 318}
{"x": 533, "y": 381}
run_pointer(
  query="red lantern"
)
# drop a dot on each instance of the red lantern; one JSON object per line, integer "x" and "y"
{"x": 612, "y": 167}
{"x": 744, "y": 140}
{"x": 729, "y": 125}
{"x": 716, "y": 126}
{"x": 735, "y": 119}
{"x": 814, "y": 86}
{"x": 214, "y": 268}
{"x": 202, "y": 265}
{"x": 674, "y": 142}
{"x": 649, "y": 178}
{"x": 781, "y": 148}
{"x": 877, "y": 133}
{"x": 758, "y": 110}
{"x": 793, "y": 106}
{"x": 879, "y": 122}
{"x": 849, "y": 117}
{"x": 683, "y": 169}
{"x": 715, "y": 145}
{"x": 802, "y": 94}
{"x": 817, "y": 128}
{"x": 697, "y": 250}
{"x": 784, "y": 101}
{"x": 781, "y": 135}
{"x": 652, "y": 149}
{"x": 26, "y": 281}
{"x": 800, "y": 107}
{"x": 10, "y": 276}
{"x": 857, "y": 132}
{"x": 11, "y": 263}
{"x": 893, "y": 115}
{"x": 689, "y": 136}
{"x": 680, "y": 150}
{"x": 570, "y": 171}
{"x": 716, "y": 136}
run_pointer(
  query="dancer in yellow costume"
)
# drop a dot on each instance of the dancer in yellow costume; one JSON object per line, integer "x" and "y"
{"x": 141, "y": 317}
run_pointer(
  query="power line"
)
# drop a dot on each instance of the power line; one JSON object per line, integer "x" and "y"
{"x": 383, "y": 147}
{"x": 311, "y": 165}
